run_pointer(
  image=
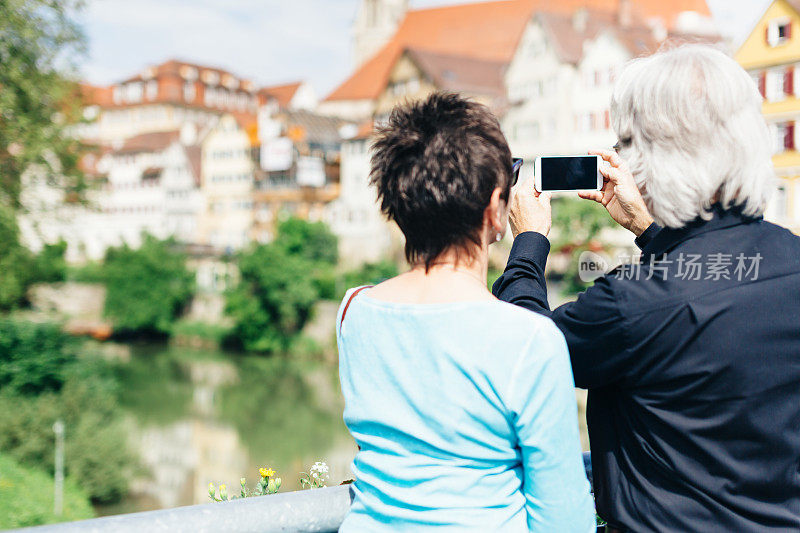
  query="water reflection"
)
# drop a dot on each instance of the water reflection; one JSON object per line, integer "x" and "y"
{"x": 200, "y": 417}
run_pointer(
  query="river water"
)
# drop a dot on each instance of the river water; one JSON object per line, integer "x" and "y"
{"x": 199, "y": 417}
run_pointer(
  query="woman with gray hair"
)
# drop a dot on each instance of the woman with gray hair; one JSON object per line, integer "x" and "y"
{"x": 692, "y": 356}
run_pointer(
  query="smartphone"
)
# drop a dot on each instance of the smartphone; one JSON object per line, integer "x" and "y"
{"x": 568, "y": 173}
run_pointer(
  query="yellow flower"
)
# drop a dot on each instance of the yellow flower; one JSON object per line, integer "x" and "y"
{"x": 266, "y": 472}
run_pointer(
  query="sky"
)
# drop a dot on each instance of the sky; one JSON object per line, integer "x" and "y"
{"x": 267, "y": 41}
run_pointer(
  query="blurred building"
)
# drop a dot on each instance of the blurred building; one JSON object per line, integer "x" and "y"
{"x": 178, "y": 153}
{"x": 546, "y": 69}
{"x": 228, "y": 170}
{"x": 484, "y": 30}
{"x": 561, "y": 78}
{"x": 771, "y": 54}
{"x": 299, "y": 166}
{"x": 294, "y": 96}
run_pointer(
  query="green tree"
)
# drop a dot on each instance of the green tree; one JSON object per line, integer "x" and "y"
{"x": 34, "y": 358}
{"x": 273, "y": 299}
{"x": 148, "y": 287}
{"x": 310, "y": 240}
{"x": 15, "y": 261}
{"x": 49, "y": 265}
{"x": 42, "y": 379}
{"x": 39, "y": 43}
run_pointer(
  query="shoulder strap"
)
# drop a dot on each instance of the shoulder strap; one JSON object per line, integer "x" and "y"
{"x": 349, "y": 300}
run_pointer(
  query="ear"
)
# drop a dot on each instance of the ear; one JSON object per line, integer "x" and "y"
{"x": 495, "y": 214}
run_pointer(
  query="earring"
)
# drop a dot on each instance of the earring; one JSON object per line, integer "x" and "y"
{"x": 499, "y": 237}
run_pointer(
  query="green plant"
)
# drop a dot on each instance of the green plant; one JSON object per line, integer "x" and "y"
{"x": 316, "y": 477}
{"x": 147, "y": 288}
{"x": 34, "y": 358}
{"x": 49, "y": 265}
{"x": 40, "y": 42}
{"x": 273, "y": 300}
{"x": 268, "y": 484}
{"x": 15, "y": 260}
{"x": 26, "y": 497}
{"x": 309, "y": 240}
{"x": 42, "y": 379}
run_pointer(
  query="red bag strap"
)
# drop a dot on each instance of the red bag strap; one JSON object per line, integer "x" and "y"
{"x": 349, "y": 300}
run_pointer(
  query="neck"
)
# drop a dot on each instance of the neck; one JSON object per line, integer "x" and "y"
{"x": 475, "y": 265}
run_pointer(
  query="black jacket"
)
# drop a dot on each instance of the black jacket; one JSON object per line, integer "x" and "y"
{"x": 694, "y": 384}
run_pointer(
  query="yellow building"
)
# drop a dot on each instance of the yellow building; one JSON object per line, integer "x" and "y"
{"x": 771, "y": 54}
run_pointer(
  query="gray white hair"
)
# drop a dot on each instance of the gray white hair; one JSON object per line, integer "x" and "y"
{"x": 690, "y": 127}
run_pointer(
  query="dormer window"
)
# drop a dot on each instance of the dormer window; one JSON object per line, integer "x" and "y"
{"x": 779, "y": 31}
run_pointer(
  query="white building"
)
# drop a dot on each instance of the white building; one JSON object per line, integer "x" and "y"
{"x": 355, "y": 217}
{"x": 227, "y": 186}
{"x": 147, "y": 184}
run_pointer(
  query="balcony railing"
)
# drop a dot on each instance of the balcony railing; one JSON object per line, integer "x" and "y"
{"x": 318, "y": 510}
{"x": 308, "y": 511}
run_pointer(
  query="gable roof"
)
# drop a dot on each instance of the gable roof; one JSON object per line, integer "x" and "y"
{"x": 149, "y": 142}
{"x": 485, "y": 30}
{"x": 283, "y": 94}
{"x": 460, "y": 73}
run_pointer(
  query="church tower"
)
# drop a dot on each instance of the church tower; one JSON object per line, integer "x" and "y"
{"x": 376, "y": 22}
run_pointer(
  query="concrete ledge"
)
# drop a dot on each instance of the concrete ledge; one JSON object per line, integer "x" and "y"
{"x": 318, "y": 510}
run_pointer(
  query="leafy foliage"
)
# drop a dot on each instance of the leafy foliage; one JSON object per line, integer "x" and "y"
{"x": 310, "y": 240}
{"x": 147, "y": 288}
{"x": 49, "y": 265}
{"x": 26, "y": 497}
{"x": 34, "y": 358}
{"x": 273, "y": 299}
{"x": 43, "y": 380}
{"x": 15, "y": 261}
{"x": 279, "y": 284}
{"x": 38, "y": 44}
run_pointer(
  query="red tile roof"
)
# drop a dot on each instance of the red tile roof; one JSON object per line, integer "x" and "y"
{"x": 149, "y": 142}
{"x": 485, "y": 30}
{"x": 283, "y": 94}
{"x": 459, "y": 73}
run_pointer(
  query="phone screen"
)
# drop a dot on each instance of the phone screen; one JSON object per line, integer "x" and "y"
{"x": 569, "y": 173}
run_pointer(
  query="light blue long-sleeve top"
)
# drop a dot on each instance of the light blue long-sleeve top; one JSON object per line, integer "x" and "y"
{"x": 466, "y": 418}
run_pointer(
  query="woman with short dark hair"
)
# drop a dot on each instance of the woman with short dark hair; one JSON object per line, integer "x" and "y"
{"x": 462, "y": 406}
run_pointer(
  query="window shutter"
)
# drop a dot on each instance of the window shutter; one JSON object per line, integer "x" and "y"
{"x": 788, "y": 139}
{"x": 788, "y": 81}
{"x": 788, "y": 31}
{"x": 762, "y": 84}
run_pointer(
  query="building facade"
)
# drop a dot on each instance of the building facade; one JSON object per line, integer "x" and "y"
{"x": 771, "y": 54}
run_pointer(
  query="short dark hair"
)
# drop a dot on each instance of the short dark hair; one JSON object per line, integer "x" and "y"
{"x": 435, "y": 165}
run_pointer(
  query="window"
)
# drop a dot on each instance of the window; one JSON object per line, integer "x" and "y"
{"x": 779, "y": 31}
{"x": 783, "y": 137}
{"x": 775, "y": 85}
{"x": 133, "y": 92}
{"x": 189, "y": 91}
{"x": 152, "y": 89}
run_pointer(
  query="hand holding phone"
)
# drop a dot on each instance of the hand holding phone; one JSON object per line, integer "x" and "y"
{"x": 568, "y": 173}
